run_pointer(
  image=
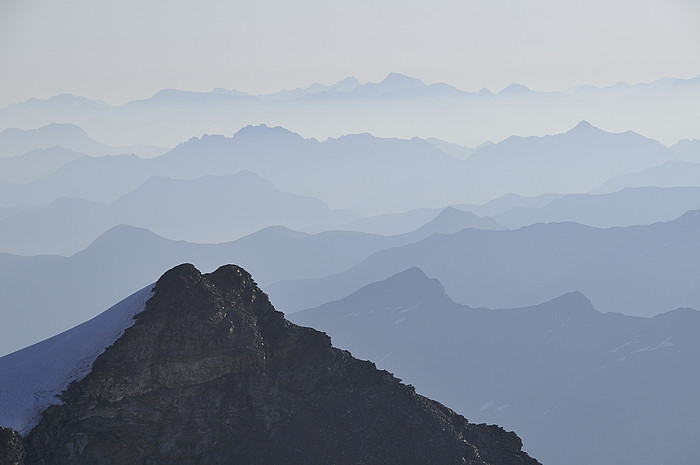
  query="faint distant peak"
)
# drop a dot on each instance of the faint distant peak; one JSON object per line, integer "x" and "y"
{"x": 458, "y": 151}
{"x": 572, "y": 302}
{"x": 692, "y": 216}
{"x": 51, "y": 130}
{"x": 584, "y": 126}
{"x": 687, "y": 146}
{"x": 63, "y": 128}
{"x": 275, "y": 232}
{"x": 123, "y": 235}
{"x": 450, "y": 212}
{"x": 263, "y": 130}
{"x": 515, "y": 89}
{"x": 586, "y": 129}
{"x": 398, "y": 79}
{"x": 451, "y": 220}
{"x": 348, "y": 84}
{"x": 684, "y": 314}
{"x": 316, "y": 89}
{"x": 410, "y": 282}
{"x": 621, "y": 85}
{"x": 412, "y": 274}
{"x": 74, "y": 99}
{"x": 170, "y": 93}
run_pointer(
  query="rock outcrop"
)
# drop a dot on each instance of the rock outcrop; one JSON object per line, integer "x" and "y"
{"x": 11, "y": 448}
{"x": 211, "y": 373}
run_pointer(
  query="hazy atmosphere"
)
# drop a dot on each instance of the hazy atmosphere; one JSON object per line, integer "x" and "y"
{"x": 494, "y": 204}
{"x": 129, "y": 50}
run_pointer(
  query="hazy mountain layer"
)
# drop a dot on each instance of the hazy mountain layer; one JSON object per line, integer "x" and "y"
{"x": 43, "y": 295}
{"x": 35, "y": 164}
{"x": 669, "y": 174}
{"x": 579, "y": 386}
{"x": 643, "y": 205}
{"x": 364, "y": 173}
{"x": 637, "y": 270}
{"x": 15, "y": 142}
{"x": 399, "y": 106}
{"x": 208, "y": 209}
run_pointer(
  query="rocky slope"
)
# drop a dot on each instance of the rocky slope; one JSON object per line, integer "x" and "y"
{"x": 211, "y": 373}
{"x": 11, "y": 449}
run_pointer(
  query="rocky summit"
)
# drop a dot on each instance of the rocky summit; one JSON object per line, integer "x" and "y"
{"x": 211, "y": 373}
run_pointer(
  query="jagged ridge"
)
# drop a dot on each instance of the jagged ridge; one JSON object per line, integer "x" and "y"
{"x": 211, "y": 373}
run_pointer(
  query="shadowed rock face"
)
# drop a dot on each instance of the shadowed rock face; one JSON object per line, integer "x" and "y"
{"x": 11, "y": 449}
{"x": 211, "y": 373}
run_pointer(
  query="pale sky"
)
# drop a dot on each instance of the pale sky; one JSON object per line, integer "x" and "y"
{"x": 122, "y": 50}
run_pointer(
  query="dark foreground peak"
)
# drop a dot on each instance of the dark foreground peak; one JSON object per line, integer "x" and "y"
{"x": 211, "y": 373}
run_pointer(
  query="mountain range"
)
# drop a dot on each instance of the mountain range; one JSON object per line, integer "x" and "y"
{"x": 670, "y": 174}
{"x": 207, "y": 209}
{"x": 399, "y": 105}
{"x": 363, "y": 173}
{"x": 627, "y": 207}
{"x": 636, "y": 270}
{"x": 15, "y": 142}
{"x": 341, "y": 231}
{"x": 35, "y": 164}
{"x": 43, "y": 295}
{"x": 639, "y": 270}
{"x": 255, "y": 389}
{"x": 579, "y": 386}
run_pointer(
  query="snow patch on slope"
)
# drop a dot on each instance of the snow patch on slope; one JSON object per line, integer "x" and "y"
{"x": 32, "y": 379}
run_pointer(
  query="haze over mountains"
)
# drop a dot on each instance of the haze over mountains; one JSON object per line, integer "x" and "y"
{"x": 15, "y": 142}
{"x": 354, "y": 172}
{"x": 200, "y": 192}
{"x": 627, "y": 207}
{"x": 557, "y": 210}
{"x": 231, "y": 206}
{"x": 35, "y": 164}
{"x": 637, "y": 270}
{"x": 397, "y": 106}
{"x": 562, "y": 374}
{"x": 669, "y": 174}
{"x": 45, "y": 287}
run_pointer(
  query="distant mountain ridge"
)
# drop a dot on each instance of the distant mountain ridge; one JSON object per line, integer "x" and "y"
{"x": 669, "y": 174}
{"x": 35, "y": 164}
{"x": 398, "y": 105}
{"x": 356, "y": 172}
{"x": 627, "y": 207}
{"x": 206, "y": 209}
{"x": 573, "y": 162}
{"x": 392, "y": 83}
{"x": 636, "y": 270}
{"x": 557, "y": 372}
{"x": 45, "y": 287}
{"x": 15, "y": 142}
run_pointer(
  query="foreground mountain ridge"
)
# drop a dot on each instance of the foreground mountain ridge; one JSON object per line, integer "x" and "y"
{"x": 211, "y": 373}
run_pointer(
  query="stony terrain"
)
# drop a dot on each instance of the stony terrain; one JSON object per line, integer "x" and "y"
{"x": 211, "y": 373}
{"x": 11, "y": 448}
